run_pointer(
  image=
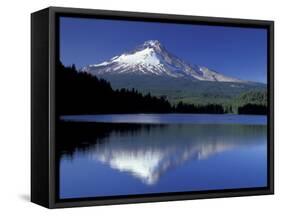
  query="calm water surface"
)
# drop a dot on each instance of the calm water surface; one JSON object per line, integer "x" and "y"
{"x": 108, "y": 155}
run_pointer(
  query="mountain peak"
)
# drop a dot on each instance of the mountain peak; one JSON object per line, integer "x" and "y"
{"x": 152, "y": 58}
{"x": 152, "y": 43}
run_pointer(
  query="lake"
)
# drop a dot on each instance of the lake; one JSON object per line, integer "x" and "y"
{"x": 111, "y": 155}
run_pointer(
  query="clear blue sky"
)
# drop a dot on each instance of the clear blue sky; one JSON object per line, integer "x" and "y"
{"x": 233, "y": 51}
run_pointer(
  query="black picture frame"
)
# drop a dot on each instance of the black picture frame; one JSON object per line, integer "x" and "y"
{"x": 44, "y": 57}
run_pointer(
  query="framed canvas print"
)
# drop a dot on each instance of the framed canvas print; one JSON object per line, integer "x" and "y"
{"x": 139, "y": 107}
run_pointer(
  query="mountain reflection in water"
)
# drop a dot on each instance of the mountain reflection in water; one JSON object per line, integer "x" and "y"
{"x": 148, "y": 151}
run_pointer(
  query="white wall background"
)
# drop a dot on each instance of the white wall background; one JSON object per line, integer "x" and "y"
{"x": 15, "y": 107}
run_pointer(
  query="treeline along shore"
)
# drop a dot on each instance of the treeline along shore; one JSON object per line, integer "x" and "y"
{"x": 82, "y": 93}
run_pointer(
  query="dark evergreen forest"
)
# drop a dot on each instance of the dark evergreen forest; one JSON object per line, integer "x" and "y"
{"x": 82, "y": 93}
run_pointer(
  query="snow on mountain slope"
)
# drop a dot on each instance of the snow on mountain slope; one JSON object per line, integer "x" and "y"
{"x": 152, "y": 58}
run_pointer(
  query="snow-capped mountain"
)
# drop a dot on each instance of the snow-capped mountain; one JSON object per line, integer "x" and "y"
{"x": 152, "y": 58}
